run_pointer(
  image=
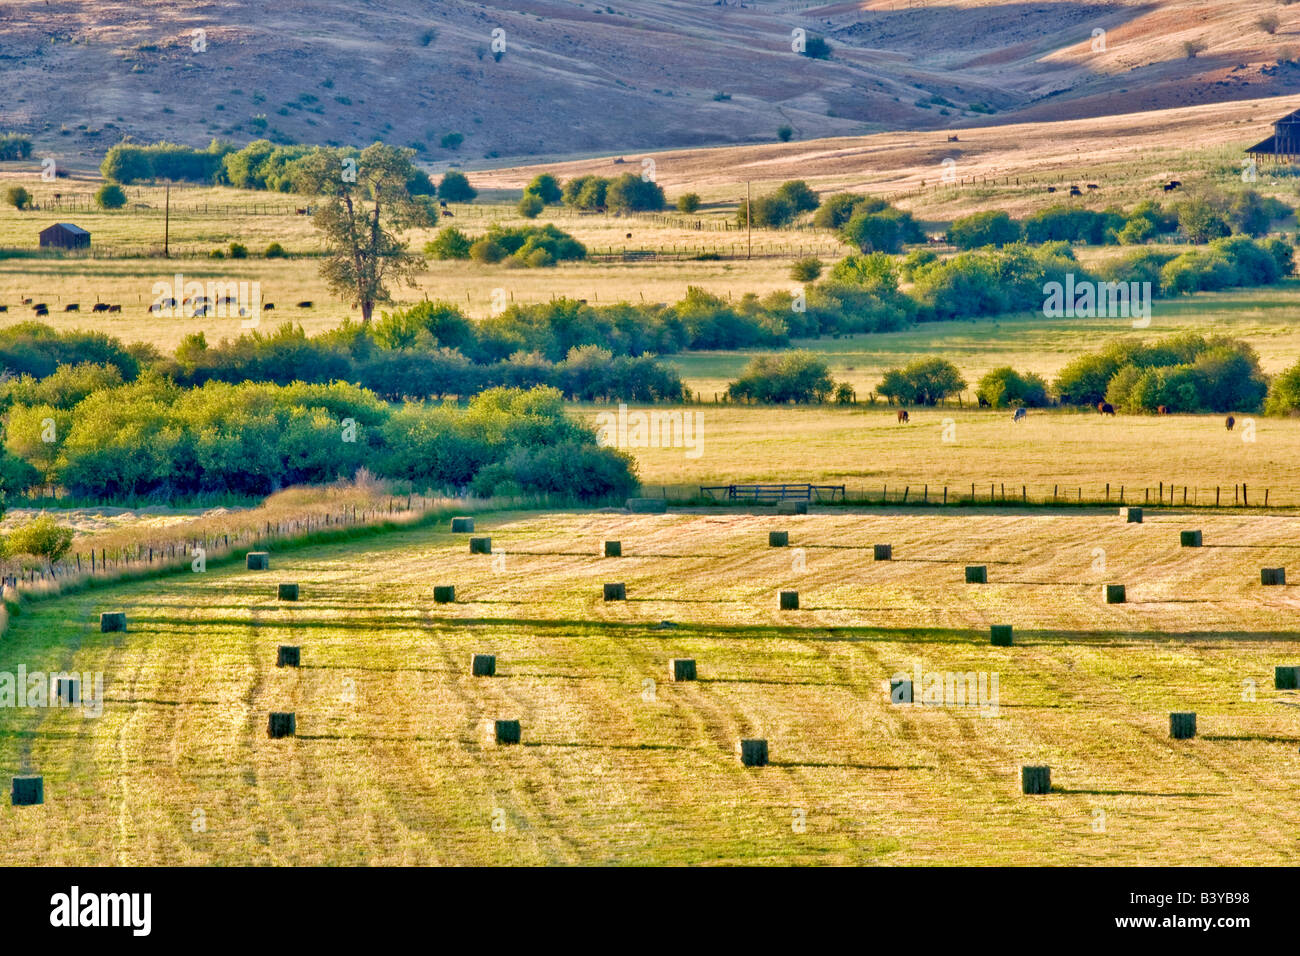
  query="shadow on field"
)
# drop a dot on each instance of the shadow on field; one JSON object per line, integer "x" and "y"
{"x": 1256, "y": 738}
{"x": 787, "y": 683}
{"x": 820, "y": 765}
{"x": 1132, "y": 793}
{"x": 583, "y": 745}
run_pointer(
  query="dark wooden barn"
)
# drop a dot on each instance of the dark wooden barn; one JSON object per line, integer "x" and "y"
{"x": 1283, "y": 146}
{"x": 64, "y": 235}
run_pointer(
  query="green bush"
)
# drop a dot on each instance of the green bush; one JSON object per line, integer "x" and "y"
{"x": 450, "y": 243}
{"x": 18, "y": 197}
{"x": 688, "y": 202}
{"x": 238, "y": 250}
{"x": 1006, "y": 388}
{"x": 110, "y": 196}
{"x": 530, "y": 207}
{"x": 455, "y": 187}
{"x": 42, "y": 537}
{"x": 545, "y": 187}
{"x": 799, "y": 195}
{"x": 632, "y": 193}
{"x": 993, "y": 228}
{"x": 800, "y": 377}
{"x": 275, "y": 251}
{"x": 923, "y": 382}
{"x": 808, "y": 269}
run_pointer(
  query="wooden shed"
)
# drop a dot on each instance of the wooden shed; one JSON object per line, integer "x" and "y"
{"x": 1284, "y": 145}
{"x": 64, "y": 235}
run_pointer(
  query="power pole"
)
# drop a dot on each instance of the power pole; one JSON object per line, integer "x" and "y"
{"x": 167, "y": 222}
{"x": 749, "y": 223}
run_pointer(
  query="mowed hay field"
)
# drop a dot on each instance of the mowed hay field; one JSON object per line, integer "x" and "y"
{"x": 392, "y": 765}
{"x": 868, "y": 450}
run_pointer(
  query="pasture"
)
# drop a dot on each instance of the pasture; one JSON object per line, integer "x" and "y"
{"x": 618, "y": 764}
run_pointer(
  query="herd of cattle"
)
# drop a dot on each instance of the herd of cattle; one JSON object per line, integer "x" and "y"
{"x": 1105, "y": 408}
{"x": 41, "y": 308}
{"x": 200, "y": 306}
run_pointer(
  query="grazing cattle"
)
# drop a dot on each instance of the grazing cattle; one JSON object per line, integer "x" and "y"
{"x": 100, "y": 307}
{"x": 39, "y": 306}
{"x": 1076, "y": 191}
{"x": 629, "y": 235}
{"x": 168, "y": 303}
{"x": 1172, "y": 185}
{"x": 1020, "y": 415}
{"x": 1093, "y": 186}
{"x": 72, "y": 307}
{"x": 449, "y": 214}
{"x": 42, "y": 310}
{"x": 115, "y": 308}
{"x": 202, "y": 312}
{"x": 984, "y": 402}
{"x": 4, "y": 308}
{"x": 304, "y": 305}
{"x": 1162, "y": 409}
{"x": 268, "y": 307}
{"x": 442, "y": 203}
{"x": 1230, "y": 422}
{"x": 302, "y": 212}
{"x": 953, "y": 139}
{"x": 27, "y": 301}
{"x": 1051, "y": 189}
{"x": 902, "y": 416}
{"x": 1106, "y": 408}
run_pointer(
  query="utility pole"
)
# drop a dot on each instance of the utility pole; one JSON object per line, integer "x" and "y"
{"x": 167, "y": 222}
{"x": 749, "y": 223}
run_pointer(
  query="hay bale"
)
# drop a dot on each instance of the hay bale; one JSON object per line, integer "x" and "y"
{"x": 1131, "y": 515}
{"x": 792, "y": 507}
{"x": 1036, "y": 779}
{"x": 613, "y": 549}
{"x": 259, "y": 561}
{"x": 480, "y": 545}
{"x": 287, "y": 592}
{"x": 615, "y": 592}
{"x": 647, "y": 506}
{"x": 508, "y": 732}
{"x": 882, "y": 552}
{"x": 1000, "y": 634}
{"x": 444, "y": 594}
{"x": 778, "y": 539}
{"x": 789, "y": 600}
{"x": 1272, "y": 576}
{"x": 977, "y": 574}
{"x": 682, "y": 668}
{"x": 483, "y": 665}
{"x": 1114, "y": 593}
{"x": 1286, "y": 678}
{"x": 753, "y": 753}
{"x": 1182, "y": 726}
{"x": 281, "y": 725}
{"x": 462, "y": 525}
{"x": 1189, "y": 539}
{"x": 288, "y": 655}
{"x": 112, "y": 621}
{"x": 900, "y": 690}
{"x": 27, "y": 791}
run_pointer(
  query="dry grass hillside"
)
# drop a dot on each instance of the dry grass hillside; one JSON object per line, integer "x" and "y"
{"x": 82, "y": 74}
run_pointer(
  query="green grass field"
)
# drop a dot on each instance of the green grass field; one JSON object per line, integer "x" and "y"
{"x": 392, "y": 764}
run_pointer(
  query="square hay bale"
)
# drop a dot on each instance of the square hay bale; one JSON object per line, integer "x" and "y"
{"x": 792, "y": 507}
{"x": 27, "y": 791}
{"x": 882, "y": 552}
{"x": 480, "y": 545}
{"x": 613, "y": 549}
{"x": 1036, "y": 779}
{"x": 753, "y": 753}
{"x": 508, "y": 732}
{"x": 288, "y": 655}
{"x": 977, "y": 574}
{"x": 258, "y": 560}
{"x": 1272, "y": 576}
{"x": 789, "y": 600}
{"x": 287, "y": 592}
{"x": 462, "y": 525}
{"x": 682, "y": 668}
{"x": 647, "y": 506}
{"x": 1189, "y": 539}
{"x": 67, "y": 690}
{"x": 1000, "y": 635}
{"x": 778, "y": 539}
{"x": 900, "y": 690}
{"x": 1286, "y": 678}
{"x": 1114, "y": 593}
{"x": 1131, "y": 515}
{"x": 444, "y": 594}
{"x": 616, "y": 592}
{"x": 1182, "y": 726}
{"x": 112, "y": 621}
{"x": 281, "y": 725}
{"x": 483, "y": 665}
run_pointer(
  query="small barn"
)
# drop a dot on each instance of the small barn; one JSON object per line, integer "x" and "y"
{"x": 1283, "y": 146}
{"x": 64, "y": 235}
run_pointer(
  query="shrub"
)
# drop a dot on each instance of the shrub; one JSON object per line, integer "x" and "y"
{"x": 1005, "y": 387}
{"x": 799, "y": 195}
{"x": 838, "y": 209}
{"x": 816, "y": 48}
{"x": 276, "y": 251}
{"x": 530, "y": 207}
{"x": 806, "y": 270}
{"x": 993, "y": 228}
{"x": 13, "y": 146}
{"x": 688, "y": 202}
{"x": 238, "y": 250}
{"x": 545, "y": 187}
{"x": 18, "y": 197}
{"x": 455, "y": 187}
{"x": 110, "y": 196}
{"x": 487, "y": 250}
{"x": 450, "y": 243}
{"x": 923, "y": 382}
{"x": 632, "y": 193}
{"x": 769, "y": 211}
{"x": 784, "y": 133}
{"x": 797, "y": 376}
{"x": 883, "y": 231}
{"x": 41, "y": 537}
{"x": 1284, "y": 393}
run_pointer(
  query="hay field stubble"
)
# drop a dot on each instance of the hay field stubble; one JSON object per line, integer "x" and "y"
{"x": 610, "y": 772}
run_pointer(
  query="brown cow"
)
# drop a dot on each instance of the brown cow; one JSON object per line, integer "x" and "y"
{"x": 902, "y": 415}
{"x": 1162, "y": 409}
{"x": 1230, "y": 422}
{"x": 1106, "y": 408}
